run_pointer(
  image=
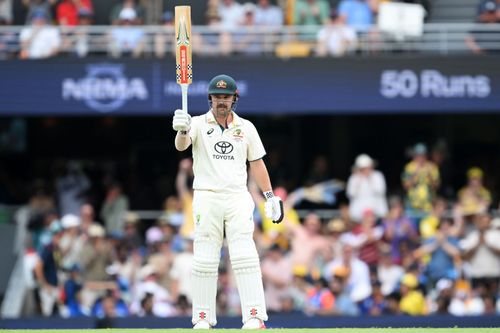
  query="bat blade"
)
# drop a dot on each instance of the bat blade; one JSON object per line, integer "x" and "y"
{"x": 184, "y": 63}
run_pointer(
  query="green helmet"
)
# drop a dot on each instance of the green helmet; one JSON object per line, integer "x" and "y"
{"x": 222, "y": 84}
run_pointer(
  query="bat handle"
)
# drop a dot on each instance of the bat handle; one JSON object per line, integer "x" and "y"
{"x": 184, "y": 89}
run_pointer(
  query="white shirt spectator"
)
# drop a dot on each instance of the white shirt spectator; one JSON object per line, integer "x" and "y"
{"x": 359, "y": 278}
{"x": 338, "y": 39}
{"x": 366, "y": 189}
{"x": 484, "y": 263}
{"x": 231, "y": 14}
{"x": 471, "y": 306}
{"x": 43, "y": 42}
{"x": 181, "y": 272}
{"x": 6, "y": 10}
{"x": 268, "y": 15}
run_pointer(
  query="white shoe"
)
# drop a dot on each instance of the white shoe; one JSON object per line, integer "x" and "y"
{"x": 202, "y": 325}
{"x": 254, "y": 324}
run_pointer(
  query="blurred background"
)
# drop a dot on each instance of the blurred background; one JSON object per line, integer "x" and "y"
{"x": 382, "y": 130}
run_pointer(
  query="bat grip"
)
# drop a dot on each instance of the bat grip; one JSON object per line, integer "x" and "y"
{"x": 184, "y": 89}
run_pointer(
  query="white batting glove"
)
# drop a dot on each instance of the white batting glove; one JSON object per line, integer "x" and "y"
{"x": 181, "y": 121}
{"x": 273, "y": 207}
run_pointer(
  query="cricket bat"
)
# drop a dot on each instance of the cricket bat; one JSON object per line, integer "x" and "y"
{"x": 183, "y": 60}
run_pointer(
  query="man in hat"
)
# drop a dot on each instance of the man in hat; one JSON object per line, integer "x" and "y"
{"x": 222, "y": 144}
{"x": 474, "y": 198}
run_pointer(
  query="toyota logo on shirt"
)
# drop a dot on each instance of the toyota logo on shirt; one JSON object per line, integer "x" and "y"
{"x": 223, "y": 147}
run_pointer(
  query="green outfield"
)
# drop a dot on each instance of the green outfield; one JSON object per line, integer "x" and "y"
{"x": 282, "y": 330}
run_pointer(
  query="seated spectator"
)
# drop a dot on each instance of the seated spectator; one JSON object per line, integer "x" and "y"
{"x": 474, "y": 198}
{"x": 412, "y": 301}
{"x": 8, "y": 41}
{"x": 268, "y": 15}
{"x": 388, "y": 273}
{"x": 215, "y": 41}
{"x": 68, "y": 11}
{"x": 320, "y": 299}
{"x": 164, "y": 39}
{"x": 117, "y": 10}
{"x": 6, "y": 12}
{"x": 116, "y": 202}
{"x": 358, "y": 14}
{"x": 277, "y": 277}
{"x": 344, "y": 305}
{"x": 39, "y": 39}
{"x": 81, "y": 40}
{"x": 481, "y": 41}
{"x": 72, "y": 288}
{"x": 421, "y": 180}
{"x": 444, "y": 252}
{"x": 231, "y": 14}
{"x": 465, "y": 301}
{"x": 429, "y": 224}
{"x": 248, "y": 41}
{"x": 110, "y": 305}
{"x": 311, "y": 12}
{"x": 366, "y": 186}
{"x": 36, "y": 6}
{"x": 336, "y": 38}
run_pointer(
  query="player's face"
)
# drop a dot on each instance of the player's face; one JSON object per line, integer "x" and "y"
{"x": 221, "y": 104}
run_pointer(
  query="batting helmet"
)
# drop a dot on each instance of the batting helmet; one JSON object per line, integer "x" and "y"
{"x": 222, "y": 84}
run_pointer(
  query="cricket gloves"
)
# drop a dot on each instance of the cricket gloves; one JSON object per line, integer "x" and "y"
{"x": 273, "y": 207}
{"x": 181, "y": 121}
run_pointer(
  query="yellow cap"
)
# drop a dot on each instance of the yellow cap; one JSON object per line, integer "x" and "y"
{"x": 300, "y": 270}
{"x": 409, "y": 280}
{"x": 475, "y": 173}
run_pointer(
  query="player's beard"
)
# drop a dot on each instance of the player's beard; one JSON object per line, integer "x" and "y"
{"x": 222, "y": 110}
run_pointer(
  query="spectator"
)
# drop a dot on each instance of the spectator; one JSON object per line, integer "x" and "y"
{"x": 344, "y": 305}
{"x": 311, "y": 12}
{"x": 231, "y": 14}
{"x": 412, "y": 301}
{"x": 68, "y": 11}
{"x": 181, "y": 272}
{"x": 6, "y": 11}
{"x": 481, "y": 40}
{"x": 444, "y": 252}
{"x": 185, "y": 175}
{"x": 216, "y": 41}
{"x": 388, "y": 273}
{"x": 39, "y": 6}
{"x": 465, "y": 302}
{"x": 81, "y": 36}
{"x": 164, "y": 39}
{"x": 39, "y": 40}
{"x": 46, "y": 272}
{"x": 320, "y": 299}
{"x": 429, "y": 224}
{"x": 268, "y": 15}
{"x": 248, "y": 41}
{"x": 127, "y": 38}
{"x": 335, "y": 38}
{"x": 8, "y": 41}
{"x": 358, "y": 14}
{"x": 335, "y": 229}
{"x": 358, "y": 281}
{"x": 114, "y": 209}
{"x": 72, "y": 185}
{"x": 70, "y": 244}
{"x": 162, "y": 260}
{"x": 72, "y": 288}
{"x": 129, "y": 6}
{"x": 131, "y": 238}
{"x": 277, "y": 277}
{"x": 398, "y": 229}
{"x": 474, "y": 198}
{"x": 366, "y": 189}
{"x": 365, "y": 239}
{"x": 420, "y": 179}
{"x": 481, "y": 250}
{"x": 488, "y": 11}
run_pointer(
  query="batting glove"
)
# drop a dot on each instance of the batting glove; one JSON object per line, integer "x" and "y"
{"x": 273, "y": 207}
{"x": 181, "y": 121}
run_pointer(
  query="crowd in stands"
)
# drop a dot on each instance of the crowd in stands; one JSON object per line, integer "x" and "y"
{"x": 232, "y": 27}
{"x": 417, "y": 254}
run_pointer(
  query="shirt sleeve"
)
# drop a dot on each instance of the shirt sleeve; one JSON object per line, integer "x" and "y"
{"x": 255, "y": 149}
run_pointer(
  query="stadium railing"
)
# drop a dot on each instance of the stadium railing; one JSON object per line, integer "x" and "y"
{"x": 436, "y": 38}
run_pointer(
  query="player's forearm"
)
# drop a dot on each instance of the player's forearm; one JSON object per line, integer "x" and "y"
{"x": 182, "y": 141}
{"x": 260, "y": 175}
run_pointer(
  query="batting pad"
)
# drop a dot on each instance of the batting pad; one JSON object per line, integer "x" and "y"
{"x": 246, "y": 267}
{"x": 204, "y": 280}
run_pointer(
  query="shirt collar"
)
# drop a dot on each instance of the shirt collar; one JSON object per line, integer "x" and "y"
{"x": 236, "y": 119}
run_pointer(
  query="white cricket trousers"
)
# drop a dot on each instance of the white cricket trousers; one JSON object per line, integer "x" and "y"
{"x": 214, "y": 213}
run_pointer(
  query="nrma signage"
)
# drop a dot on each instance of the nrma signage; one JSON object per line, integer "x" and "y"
{"x": 105, "y": 88}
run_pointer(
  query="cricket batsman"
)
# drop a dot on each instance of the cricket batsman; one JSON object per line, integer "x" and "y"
{"x": 222, "y": 144}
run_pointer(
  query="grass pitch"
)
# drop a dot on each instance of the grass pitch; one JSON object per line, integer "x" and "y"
{"x": 280, "y": 330}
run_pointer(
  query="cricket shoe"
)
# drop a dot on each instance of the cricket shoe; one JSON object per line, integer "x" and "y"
{"x": 254, "y": 324}
{"x": 202, "y": 325}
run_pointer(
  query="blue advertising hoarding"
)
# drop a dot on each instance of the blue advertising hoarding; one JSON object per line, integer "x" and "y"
{"x": 297, "y": 86}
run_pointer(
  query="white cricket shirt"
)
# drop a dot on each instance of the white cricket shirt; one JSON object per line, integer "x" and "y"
{"x": 220, "y": 155}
